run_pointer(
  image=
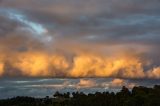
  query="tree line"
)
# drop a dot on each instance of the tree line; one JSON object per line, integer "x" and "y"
{"x": 138, "y": 96}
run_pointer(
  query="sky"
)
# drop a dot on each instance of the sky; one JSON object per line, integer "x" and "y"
{"x": 114, "y": 40}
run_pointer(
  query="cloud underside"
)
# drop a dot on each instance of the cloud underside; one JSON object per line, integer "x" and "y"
{"x": 111, "y": 38}
{"x": 38, "y": 64}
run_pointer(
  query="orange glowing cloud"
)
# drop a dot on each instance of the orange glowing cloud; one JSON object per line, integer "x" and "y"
{"x": 155, "y": 73}
{"x": 86, "y": 83}
{"x": 119, "y": 83}
{"x": 92, "y": 65}
{"x": 59, "y": 62}
{"x": 1, "y": 65}
{"x": 38, "y": 64}
{"x": 32, "y": 64}
{"x": 1, "y": 69}
{"x": 43, "y": 64}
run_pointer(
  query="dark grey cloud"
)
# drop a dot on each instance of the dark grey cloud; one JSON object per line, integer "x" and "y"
{"x": 104, "y": 21}
{"x": 40, "y": 87}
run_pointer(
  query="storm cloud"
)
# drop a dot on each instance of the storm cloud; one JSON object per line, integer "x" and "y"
{"x": 55, "y": 38}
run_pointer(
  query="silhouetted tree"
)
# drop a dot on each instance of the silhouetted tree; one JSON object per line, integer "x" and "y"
{"x": 138, "y": 96}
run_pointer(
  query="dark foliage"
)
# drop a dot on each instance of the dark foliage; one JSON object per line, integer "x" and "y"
{"x": 138, "y": 96}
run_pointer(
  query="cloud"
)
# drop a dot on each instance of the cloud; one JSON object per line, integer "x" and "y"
{"x": 92, "y": 65}
{"x": 1, "y": 69}
{"x": 86, "y": 84}
{"x": 2, "y": 65}
{"x": 111, "y": 38}
{"x": 36, "y": 29}
{"x": 118, "y": 83}
{"x": 38, "y": 64}
{"x": 40, "y": 87}
{"x": 154, "y": 73}
{"x": 44, "y": 64}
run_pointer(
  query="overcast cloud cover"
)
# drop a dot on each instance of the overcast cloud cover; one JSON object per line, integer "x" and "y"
{"x": 81, "y": 38}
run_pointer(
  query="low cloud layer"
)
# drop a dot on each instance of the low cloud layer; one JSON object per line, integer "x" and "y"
{"x": 41, "y": 87}
{"x": 105, "y": 38}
